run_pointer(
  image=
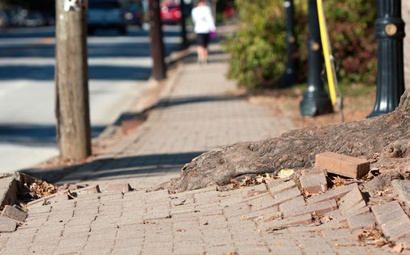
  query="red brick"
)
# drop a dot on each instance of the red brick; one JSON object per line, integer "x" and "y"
{"x": 94, "y": 189}
{"x": 287, "y": 195}
{"x": 280, "y": 186}
{"x": 261, "y": 202}
{"x": 332, "y": 194}
{"x": 386, "y": 212}
{"x": 362, "y": 210}
{"x": 314, "y": 182}
{"x": 7, "y": 225}
{"x": 319, "y": 208}
{"x": 342, "y": 165}
{"x": 283, "y": 223}
{"x": 397, "y": 229}
{"x": 360, "y": 221}
{"x": 349, "y": 201}
{"x": 13, "y": 213}
{"x": 393, "y": 220}
{"x": 119, "y": 187}
{"x": 9, "y": 191}
{"x": 292, "y": 206}
{"x": 274, "y": 182}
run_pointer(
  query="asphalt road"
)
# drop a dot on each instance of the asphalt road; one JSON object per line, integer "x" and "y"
{"x": 119, "y": 67}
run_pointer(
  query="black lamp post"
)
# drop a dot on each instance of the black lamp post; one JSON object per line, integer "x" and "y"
{"x": 289, "y": 78}
{"x": 390, "y": 75}
{"x": 315, "y": 100}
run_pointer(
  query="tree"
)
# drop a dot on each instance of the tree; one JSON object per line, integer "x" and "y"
{"x": 383, "y": 140}
{"x": 71, "y": 79}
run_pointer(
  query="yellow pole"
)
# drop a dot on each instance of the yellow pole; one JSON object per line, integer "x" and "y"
{"x": 330, "y": 69}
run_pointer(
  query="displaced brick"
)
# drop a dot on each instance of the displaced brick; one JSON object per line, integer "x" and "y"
{"x": 278, "y": 186}
{"x": 402, "y": 188}
{"x": 318, "y": 208}
{"x": 261, "y": 202}
{"x": 342, "y": 165}
{"x": 120, "y": 187}
{"x": 332, "y": 194}
{"x": 394, "y": 222}
{"x": 352, "y": 201}
{"x": 358, "y": 211}
{"x": 94, "y": 189}
{"x": 13, "y": 213}
{"x": 334, "y": 218}
{"x": 314, "y": 182}
{"x": 292, "y": 206}
{"x": 287, "y": 195}
{"x": 283, "y": 223}
{"x": 388, "y": 211}
{"x": 360, "y": 221}
{"x": 8, "y": 194}
{"x": 397, "y": 229}
{"x": 270, "y": 183}
{"x": 7, "y": 225}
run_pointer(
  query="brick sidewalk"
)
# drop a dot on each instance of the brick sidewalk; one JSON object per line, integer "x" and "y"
{"x": 195, "y": 114}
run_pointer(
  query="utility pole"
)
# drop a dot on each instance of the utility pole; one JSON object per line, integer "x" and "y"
{"x": 71, "y": 80}
{"x": 156, "y": 41}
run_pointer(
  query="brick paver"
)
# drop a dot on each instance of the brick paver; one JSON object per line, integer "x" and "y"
{"x": 195, "y": 113}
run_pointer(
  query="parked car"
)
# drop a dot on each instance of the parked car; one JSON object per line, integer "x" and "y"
{"x": 171, "y": 13}
{"x": 4, "y": 20}
{"x": 105, "y": 14}
{"x": 34, "y": 19}
{"x": 133, "y": 15}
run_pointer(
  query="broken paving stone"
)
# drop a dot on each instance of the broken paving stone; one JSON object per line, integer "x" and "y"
{"x": 13, "y": 213}
{"x": 402, "y": 188}
{"x": 342, "y": 165}
{"x": 7, "y": 225}
{"x": 352, "y": 201}
{"x": 314, "y": 182}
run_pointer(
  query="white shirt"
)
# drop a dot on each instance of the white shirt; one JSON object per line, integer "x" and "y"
{"x": 203, "y": 20}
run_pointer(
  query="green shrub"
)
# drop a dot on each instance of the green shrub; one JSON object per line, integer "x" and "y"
{"x": 258, "y": 48}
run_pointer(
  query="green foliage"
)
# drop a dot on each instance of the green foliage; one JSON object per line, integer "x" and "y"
{"x": 256, "y": 53}
{"x": 258, "y": 48}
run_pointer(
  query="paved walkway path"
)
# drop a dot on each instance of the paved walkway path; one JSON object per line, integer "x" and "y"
{"x": 196, "y": 113}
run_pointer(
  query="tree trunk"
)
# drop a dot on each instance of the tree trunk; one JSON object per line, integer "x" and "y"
{"x": 71, "y": 80}
{"x": 156, "y": 41}
{"x": 383, "y": 140}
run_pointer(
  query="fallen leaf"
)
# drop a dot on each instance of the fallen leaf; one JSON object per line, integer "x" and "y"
{"x": 284, "y": 173}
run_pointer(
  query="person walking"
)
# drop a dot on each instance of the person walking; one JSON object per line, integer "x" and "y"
{"x": 204, "y": 26}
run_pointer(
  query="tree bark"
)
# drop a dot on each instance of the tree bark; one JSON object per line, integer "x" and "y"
{"x": 71, "y": 81}
{"x": 383, "y": 140}
{"x": 156, "y": 41}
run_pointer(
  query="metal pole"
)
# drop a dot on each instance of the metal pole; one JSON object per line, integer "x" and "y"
{"x": 289, "y": 78}
{"x": 315, "y": 99}
{"x": 390, "y": 75}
